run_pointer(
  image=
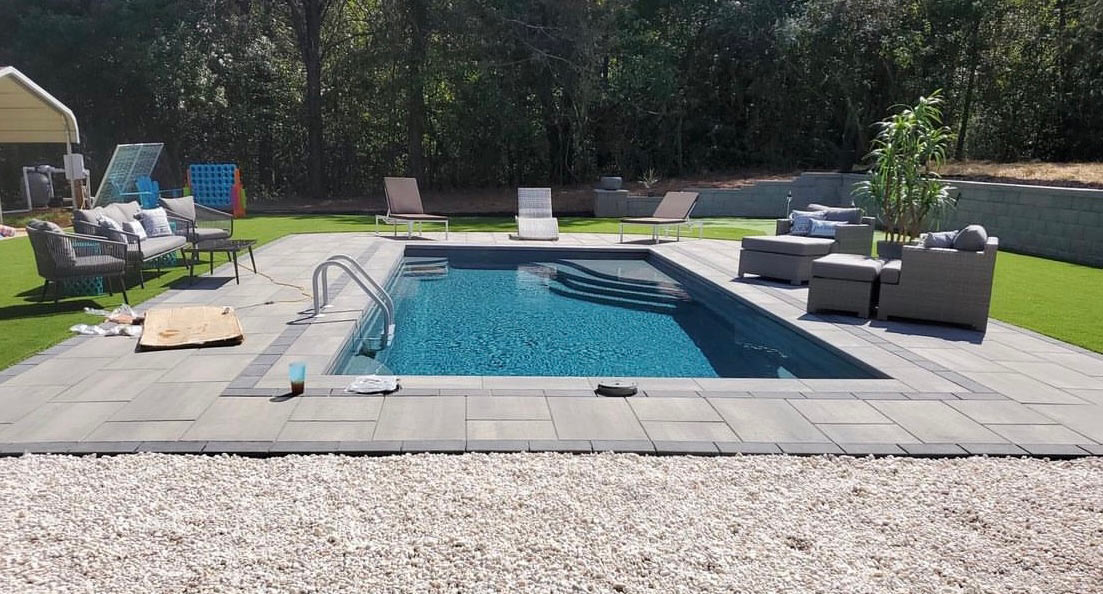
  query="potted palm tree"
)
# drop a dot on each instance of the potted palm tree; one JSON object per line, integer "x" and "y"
{"x": 904, "y": 189}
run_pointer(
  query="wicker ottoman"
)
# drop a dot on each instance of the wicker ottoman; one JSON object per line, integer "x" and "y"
{"x": 843, "y": 282}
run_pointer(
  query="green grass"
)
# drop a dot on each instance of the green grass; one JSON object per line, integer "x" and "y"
{"x": 1054, "y": 298}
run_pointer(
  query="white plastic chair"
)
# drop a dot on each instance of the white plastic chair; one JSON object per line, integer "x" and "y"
{"x": 534, "y": 215}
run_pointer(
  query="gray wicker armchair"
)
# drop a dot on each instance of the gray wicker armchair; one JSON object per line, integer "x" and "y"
{"x": 60, "y": 256}
{"x": 197, "y": 222}
{"x": 942, "y": 285}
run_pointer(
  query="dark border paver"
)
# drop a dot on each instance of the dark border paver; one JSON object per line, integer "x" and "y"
{"x": 872, "y": 449}
{"x": 623, "y": 445}
{"x": 800, "y": 448}
{"x": 576, "y": 446}
{"x": 105, "y": 447}
{"x": 933, "y": 449}
{"x": 173, "y": 447}
{"x": 244, "y": 448}
{"x": 993, "y": 449}
{"x": 435, "y": 446}
{"x": 370, "y": 447}
{"x": 747, "y": 447}
{"x": 699, "y": 448}
{"x": 497, "y": 445}
{"x": 1057, "y": 450}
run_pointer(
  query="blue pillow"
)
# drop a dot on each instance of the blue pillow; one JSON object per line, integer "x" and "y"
{"x": 824, "y": 228}
{"x": 156, "y": 222}
{"x": 802, "y": 221}
{"x": 939, "y": 239}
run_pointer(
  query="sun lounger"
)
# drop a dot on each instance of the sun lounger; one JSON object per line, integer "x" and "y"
{"x": 404, "y": 207}
{"x": 534, "y": 215}
{"x": 673, "y": 211}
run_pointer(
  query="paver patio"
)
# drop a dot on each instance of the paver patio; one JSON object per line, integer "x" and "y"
{"x": 946, "y": 391}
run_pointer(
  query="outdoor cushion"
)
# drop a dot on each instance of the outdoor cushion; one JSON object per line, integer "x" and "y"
{"x": 156, "y": 222}
{"x": 112, "y": 229}
{"x": 971, "y": 238}
{"x": 824, "y": 228}
{"x": 68, "y": 255}
{"x": 85, "y": 221}
{"x": 847, "y": 267}
{"x": 91, "y": 265}
{"x": 890, "y": 272}
{"x": 121, "y": 212}
{"x": 793, "y": 245}
{"x": 183, "y": 207}
{"x": 136, "y": 228}
{"x": 851, "y": 215}
{"x": 207, "y": 234}
{"x": 154, "y": 246}
{"x": 939, "y": 239}
{"x": 802, "y": 221}
{"x": 652, "y": 221}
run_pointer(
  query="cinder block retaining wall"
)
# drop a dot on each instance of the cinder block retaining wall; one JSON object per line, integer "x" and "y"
{"x": 1059, "y": 223}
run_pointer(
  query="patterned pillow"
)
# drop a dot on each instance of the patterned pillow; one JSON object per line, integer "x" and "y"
{"x": 136, "y": 228}
{"x": 111, "y": 229}
{"x": 156, "y": 222}
{"x": 939, "y": 239}
{"x": 802, "y": 221}
{"x": 824, "y": 228}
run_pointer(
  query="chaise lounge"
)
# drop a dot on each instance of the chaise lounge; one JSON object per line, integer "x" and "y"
{"x": 789, "y": 257}
{"x": 404, "y": 207}
{"x": 673, "y": 211}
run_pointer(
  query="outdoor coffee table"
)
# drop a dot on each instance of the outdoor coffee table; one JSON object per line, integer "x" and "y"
{"x": 230, "y": 246}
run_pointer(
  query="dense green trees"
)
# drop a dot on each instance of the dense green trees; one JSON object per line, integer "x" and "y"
{"x": 324, "y": 97}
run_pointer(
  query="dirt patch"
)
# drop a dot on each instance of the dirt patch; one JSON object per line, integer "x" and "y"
{"x": 1064, "y": 175}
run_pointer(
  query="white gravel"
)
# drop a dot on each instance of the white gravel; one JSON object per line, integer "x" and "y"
{"x": 549, "y": 523}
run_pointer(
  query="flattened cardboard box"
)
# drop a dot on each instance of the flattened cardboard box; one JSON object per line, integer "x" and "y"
{"x": 191, "y": 326}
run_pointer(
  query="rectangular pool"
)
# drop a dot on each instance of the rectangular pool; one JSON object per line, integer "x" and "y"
{"x": 577, "y": 313}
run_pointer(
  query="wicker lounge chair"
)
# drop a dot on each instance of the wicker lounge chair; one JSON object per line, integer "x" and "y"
{"x": 789, "y": 257}
{"x": 61, "y": 256}
{"x": 673, "y": 211}
{"x": 534, "y": 215}
{"x": 404, "y": 207}
{"x": 939, "y": 284}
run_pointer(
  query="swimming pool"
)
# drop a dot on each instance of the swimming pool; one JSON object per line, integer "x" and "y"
{"x": 577, "y": 313}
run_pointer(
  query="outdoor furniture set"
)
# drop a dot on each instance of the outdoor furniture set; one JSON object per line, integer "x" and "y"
{"x": 110, "y": 240}
{"x": 946, "y": 277}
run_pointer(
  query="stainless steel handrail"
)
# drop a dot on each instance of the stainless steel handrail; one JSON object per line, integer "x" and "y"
{"x": 367, "y": 284}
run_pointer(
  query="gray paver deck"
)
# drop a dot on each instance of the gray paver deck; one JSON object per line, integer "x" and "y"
{"x": 946, "y": 391}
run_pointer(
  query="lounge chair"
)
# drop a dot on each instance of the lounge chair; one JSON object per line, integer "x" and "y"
{"x": 673, "y": 211}
{"x": 61, "y": 256}
{"x": 404, "y": 207}
{"x": 534, "y": 215}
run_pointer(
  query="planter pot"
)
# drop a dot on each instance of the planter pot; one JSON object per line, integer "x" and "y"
{"x": 889, "y": 250}
{"x": 611, "y": 183}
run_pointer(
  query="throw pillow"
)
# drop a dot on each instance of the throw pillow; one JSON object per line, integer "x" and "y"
{"x": 135, "y": 228}
{"x": 802, "y": 221}
{"x": 111, "y": 229}
{"x": 824, "y": 228}
{"x": 183, "y": 208}
{"x": 971, "y": 239}
{"x": 939, "y": 239}
{"x": 156, "y": 222}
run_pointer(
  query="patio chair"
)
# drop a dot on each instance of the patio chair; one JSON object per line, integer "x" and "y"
{"x": 199, "y": 223}
{"x": 61, "y": 256}
{"x": 673, "y": 211}
{"x": 404, "y": 207}
{"x": 940, "y": 284}
{"x": 534, "y": 215}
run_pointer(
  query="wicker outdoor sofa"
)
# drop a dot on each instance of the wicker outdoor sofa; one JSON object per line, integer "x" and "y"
{"x": 789, "y": 257}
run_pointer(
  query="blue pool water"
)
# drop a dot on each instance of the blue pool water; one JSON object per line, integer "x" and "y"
{"x": 541, "y": 313}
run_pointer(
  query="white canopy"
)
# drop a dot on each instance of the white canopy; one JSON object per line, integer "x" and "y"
{"x": 29, "y": 114}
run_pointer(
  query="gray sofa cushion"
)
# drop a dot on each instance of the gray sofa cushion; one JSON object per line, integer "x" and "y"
{"x": 971, "y": 238}
{"x": 793, "y": 245}
{"x": 850, "y": 215}
{"x": 183, "y": 208}
{"x": 121, "y": 212}
{"x": 890, "y": 272}
{"x": 847, "y": 267}
{"x": 154, "y": 246}
{"x": 207, "y": 234}
{"x": 939, "y": 239}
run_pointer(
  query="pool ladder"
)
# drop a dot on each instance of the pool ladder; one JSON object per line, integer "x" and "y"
{"x": 371, "y": 288}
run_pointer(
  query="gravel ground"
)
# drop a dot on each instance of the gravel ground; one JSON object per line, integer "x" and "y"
{"x": 549, "y": 523}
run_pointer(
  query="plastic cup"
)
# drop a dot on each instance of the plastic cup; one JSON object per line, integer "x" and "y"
{"x": 297, "y": 374}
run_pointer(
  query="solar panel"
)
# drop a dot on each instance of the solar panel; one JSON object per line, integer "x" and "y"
{"x": 129, "y": 162}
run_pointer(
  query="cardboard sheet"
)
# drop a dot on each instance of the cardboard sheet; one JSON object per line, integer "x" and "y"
{"x": 191, "y": 326}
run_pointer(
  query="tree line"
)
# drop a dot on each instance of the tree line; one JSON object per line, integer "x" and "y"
{"x": 322, "y": 98}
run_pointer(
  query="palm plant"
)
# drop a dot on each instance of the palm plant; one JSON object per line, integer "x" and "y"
{"x": 904, "y": 187}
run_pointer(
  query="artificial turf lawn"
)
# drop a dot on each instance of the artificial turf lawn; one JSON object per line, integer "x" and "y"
{"x": 1054, "y": 298}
